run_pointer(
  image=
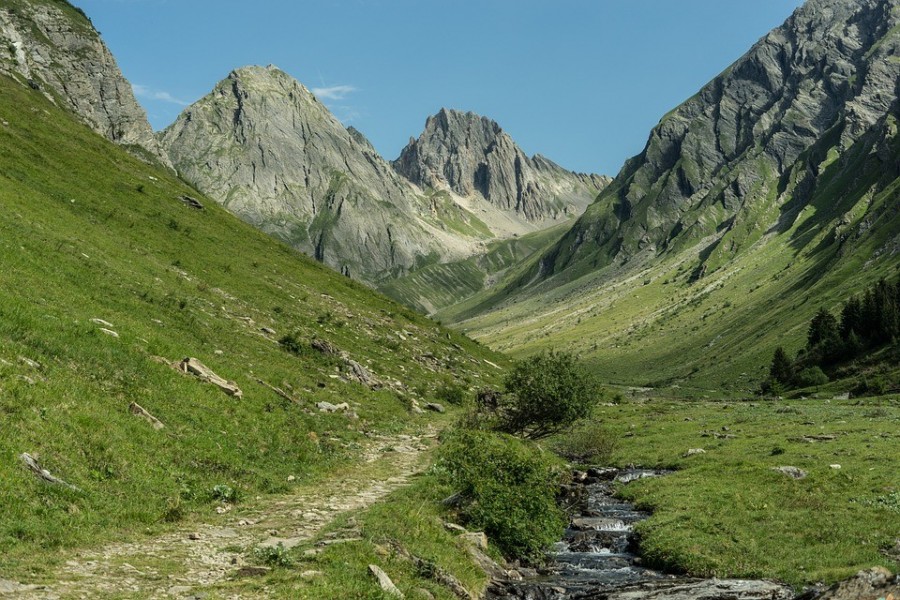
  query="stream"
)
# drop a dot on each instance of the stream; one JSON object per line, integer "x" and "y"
{"x": 597, "y": 560}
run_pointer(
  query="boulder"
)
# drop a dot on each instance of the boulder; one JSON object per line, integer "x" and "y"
{"x": 434, "y": 406}
{"x": 792, "y": 472}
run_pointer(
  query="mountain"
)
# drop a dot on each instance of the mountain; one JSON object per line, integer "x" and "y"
{"x": 269, "y": 151}
{"x": 266, "y": 148}
{"x": 53, "y": 47}
{"x": 759, "y": 199}
{"x": 471, "y": 155}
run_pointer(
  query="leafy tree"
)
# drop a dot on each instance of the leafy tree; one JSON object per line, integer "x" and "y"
{"x": 547, "y": 392}
{"x": 781, "y": 370}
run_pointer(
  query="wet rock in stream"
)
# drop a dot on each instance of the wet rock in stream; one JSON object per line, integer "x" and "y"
{"x": 597, "y": 560}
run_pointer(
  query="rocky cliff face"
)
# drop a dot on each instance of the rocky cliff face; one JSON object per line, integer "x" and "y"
{"x": 814, "y": 101}
{"x": 52, "y": 46}
{"x": 265, "y": 147}
{"x": 470, "y": 155}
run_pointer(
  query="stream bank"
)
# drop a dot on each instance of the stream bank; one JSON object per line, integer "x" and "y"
{"x": 597, "y": 558}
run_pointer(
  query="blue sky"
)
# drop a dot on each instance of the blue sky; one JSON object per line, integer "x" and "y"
{"x": 579, "y": 81}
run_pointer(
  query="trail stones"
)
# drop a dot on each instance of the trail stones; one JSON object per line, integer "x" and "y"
{"x": 139, "y": 411}
{"x": 32, "y": 465}
{"x": 194, "y": 367}
{"x": 792, "y": 472}
{"x": 14, "y": 587}
{"x": 385, "y": 582}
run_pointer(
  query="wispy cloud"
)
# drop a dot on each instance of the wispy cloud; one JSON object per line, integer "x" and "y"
{"x": 143, "y": 91}
{"x": 334, "y": 92}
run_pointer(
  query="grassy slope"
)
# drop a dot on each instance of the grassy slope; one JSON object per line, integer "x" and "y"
{"x": 89, "y": 232}
{"x": 442, "y": 288}
{"x": 727, "y": 513}
{"x": 654, "y": 325}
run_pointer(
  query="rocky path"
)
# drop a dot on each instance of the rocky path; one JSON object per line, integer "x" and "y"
{"x": 180, "y": 563}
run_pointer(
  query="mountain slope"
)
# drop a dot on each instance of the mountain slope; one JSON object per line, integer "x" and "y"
{"x": 765, "y": 196}
{"x": 52, "y": 46}
{"x": 266, "y": 148}
{"x": 471, "y": 155}
{"x": 109, "y": 273}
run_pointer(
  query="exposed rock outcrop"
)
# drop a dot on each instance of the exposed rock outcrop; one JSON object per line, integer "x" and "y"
{"x": 266, "y": 148}
{"x": 813, "y": 101}
{"x": 53, "y": 47}
{"x": 469, "y": 154}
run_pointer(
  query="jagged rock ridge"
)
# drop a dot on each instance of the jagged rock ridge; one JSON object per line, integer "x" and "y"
{"x": 264, "y": 146}
{"x": 469, "y": 154}
{"x": 744, "y": 156}
{"x": 53, "y": 46}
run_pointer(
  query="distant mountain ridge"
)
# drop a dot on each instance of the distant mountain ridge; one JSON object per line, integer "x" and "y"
{"x": 52, "y": 46}
{"x": 266, "y": 148}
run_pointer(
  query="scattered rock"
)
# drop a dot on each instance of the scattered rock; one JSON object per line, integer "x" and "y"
{"x": 385, "y": 582}
{"x": 453, "y": 527}
{"x": 253, "y": 571}
{"x": 324, "y": 347}
{"x": 711, "y": 589}
{"x": 14, "y": 587}
{"x": 477, "y": 539}
{"x": 326, "y": 407}
{"x": 31, "y": 363}
{"x": 694, "y": 452}
{"x": 192, "y": 366}
{"x": 792, "y": 472}
{"x": 109, "y": 332}
{"x": 194, "y": 536}
{"x": 311, "y": 574}
{"x": 268, "y": 331}
{"x": 192, "y": 202}
{"x": 872, "y": 584}
{"x": 422, "y": 594}
{"x": 32, "y": 465}
{"x": 434, "y": 406}
{"x": 102, "y": 323}
{"x": 274, "y": 542}
{"x": 138, "y": 410}
{"x": 836, "y": 467}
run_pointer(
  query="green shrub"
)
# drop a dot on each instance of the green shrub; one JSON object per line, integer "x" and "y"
{"x": 506, "y": 487}
{"x": 587, "y": 443}
{"x": 450, "y": 392}
{"x": 810, "y": 377}
{"x": 547, "y": 392}
{"x": 273, "y": 556}
{"x": 225, "y": 493}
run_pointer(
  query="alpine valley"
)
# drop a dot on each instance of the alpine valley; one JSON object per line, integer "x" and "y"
{"x": 248, "y": 357}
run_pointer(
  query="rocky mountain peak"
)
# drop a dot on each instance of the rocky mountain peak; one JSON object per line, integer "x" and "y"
{"x": 471, "y": 155}
{"x": 264, "y": 146}
{"x": 52, "y": 46}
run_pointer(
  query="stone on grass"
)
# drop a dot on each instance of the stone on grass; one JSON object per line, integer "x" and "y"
{"x": 438, "y": 408}
{"x": 139, "y": 411}
{"x": 385, "y": 582}
{"x": 476, "y": 538}
{"x": 194, "y": 367}
{"x": 694, "y": 452}
{"x": 792, "y": 472}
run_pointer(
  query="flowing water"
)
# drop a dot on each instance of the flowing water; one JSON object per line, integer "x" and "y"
{"x": 597, "y": 558}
